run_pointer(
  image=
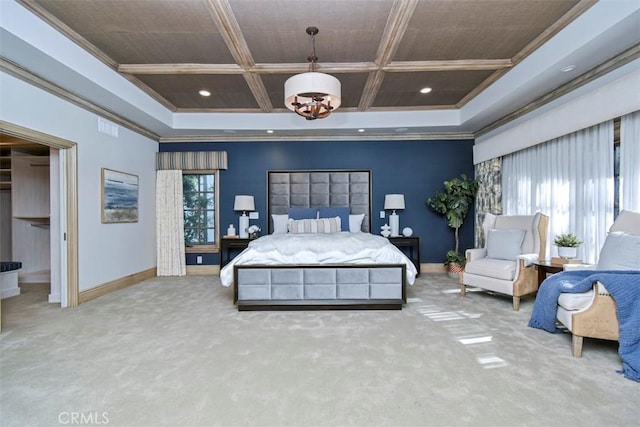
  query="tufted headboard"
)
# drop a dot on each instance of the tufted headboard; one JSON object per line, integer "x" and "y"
{"x": 319, "y": 188}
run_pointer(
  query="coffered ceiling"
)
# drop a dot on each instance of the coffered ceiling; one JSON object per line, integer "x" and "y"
{"x": 242, "y": 51}
{"x": 382, "y": 51}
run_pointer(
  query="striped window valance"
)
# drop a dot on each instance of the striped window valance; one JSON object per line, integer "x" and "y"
{"x": 192, "y": 160}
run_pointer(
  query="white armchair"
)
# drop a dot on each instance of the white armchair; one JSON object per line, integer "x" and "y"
{"x": 592, "y": 314}
{"x": 506, "y": 264}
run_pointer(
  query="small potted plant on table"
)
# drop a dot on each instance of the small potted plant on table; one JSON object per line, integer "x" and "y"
{"x": 567, "y": 244}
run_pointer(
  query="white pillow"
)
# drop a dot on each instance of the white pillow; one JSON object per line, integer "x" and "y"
{"x": 504, "y": 244}
{"x": 322, "y": 225}
{"x": 355, "y": 223}
{"x": 621, "y": 251}
{"x": 280, "y": 223}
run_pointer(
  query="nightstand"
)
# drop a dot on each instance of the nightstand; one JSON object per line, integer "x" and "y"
{"x": 413, "y": 244}
{"x": 229, "y": 245}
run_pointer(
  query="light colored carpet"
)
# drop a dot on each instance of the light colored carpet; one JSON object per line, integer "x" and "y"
{"x": 174, "y": 351}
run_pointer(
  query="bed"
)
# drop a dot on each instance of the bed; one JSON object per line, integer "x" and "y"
{"x": 319, "y": 252}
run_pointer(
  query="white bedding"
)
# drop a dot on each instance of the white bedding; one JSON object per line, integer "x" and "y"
{"x": 334, "y": 248}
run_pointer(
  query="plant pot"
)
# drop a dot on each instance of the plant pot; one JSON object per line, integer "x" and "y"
{"x": 565, "y": 252}
{"x": 454, "y": 270}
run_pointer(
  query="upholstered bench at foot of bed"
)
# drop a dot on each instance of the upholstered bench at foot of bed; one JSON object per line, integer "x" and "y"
{"x": 319, "y": 287}
{"x": 9, "y": 279}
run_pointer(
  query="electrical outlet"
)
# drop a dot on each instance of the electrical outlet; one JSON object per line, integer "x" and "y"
{"x": 382, "y": 214}
{"x": 199, "y": 259}
{"x": 254, "y": 215}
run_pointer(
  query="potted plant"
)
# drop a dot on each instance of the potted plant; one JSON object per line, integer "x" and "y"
{"x": 454, "y": 203}
{"x": 567, "y": 245}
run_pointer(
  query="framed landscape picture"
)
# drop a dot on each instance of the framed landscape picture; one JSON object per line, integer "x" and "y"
{"x": 119, "y": 196}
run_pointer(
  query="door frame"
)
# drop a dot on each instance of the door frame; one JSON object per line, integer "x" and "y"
{"x": 68, "y": 151}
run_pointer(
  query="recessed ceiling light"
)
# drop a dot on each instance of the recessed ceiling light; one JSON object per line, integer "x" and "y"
{"x": 204, "y": 92}
{"x": 425, "y": 90}
{"x": 269, "y": 131}
{"x": 360, "y": 130}
{"x": 229, "y": 131}
{"x": 567, "y": 68}
{"x": 402, "y": 129}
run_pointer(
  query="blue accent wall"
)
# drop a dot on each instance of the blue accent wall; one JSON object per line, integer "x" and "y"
{"x": 416, "y": 169}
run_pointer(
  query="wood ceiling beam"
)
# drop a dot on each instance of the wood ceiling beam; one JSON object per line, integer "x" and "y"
{"x": 462, "y": 64}
{"x": 325, "y": 67}
{"x": 394, "y": 30}
{"x": 370, "y": 91}
{"x": 259, "y": 91}
{"x": 180, "y": 69}
{"x": 222, "y": 15}
{"x": 342, "y": 67}
{"x": 332, "y": 67}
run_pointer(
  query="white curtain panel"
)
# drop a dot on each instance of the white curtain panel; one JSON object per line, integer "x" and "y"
{"x": 570, "y": 179}
{"x": 630, "y": 162}
{"x": 170, "y": 224}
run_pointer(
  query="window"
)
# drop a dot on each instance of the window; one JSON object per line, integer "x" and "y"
{"x": 200, "y": 211}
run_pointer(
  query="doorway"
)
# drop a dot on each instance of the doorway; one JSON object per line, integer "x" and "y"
{"x": 63, "y": 218}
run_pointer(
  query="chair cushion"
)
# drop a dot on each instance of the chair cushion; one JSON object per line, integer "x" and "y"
{"x": 489, "y": 267}
{"x": 621, "y": 251}
{"x": 504, "y": 244}
{"x": 575, "y": 301}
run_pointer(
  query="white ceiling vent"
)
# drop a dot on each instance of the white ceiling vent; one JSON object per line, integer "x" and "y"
{"x": 107, "y": 127}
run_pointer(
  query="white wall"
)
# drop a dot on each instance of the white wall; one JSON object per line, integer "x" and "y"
{"x": 580, "y": 109}
{"x": 106, "y": 251}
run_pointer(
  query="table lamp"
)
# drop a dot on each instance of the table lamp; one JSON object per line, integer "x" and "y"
{"x": 393, "y": 202}
{"x": 244, "y": 204}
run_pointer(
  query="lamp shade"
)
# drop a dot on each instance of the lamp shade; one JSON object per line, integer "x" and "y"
{"x": 244, "y": 203}
{"x": 394, "y": 201}
{"x": 306, "y": 85}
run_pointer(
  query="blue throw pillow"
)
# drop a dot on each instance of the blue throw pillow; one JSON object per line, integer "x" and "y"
{"x": 303, "y": 213}
{"x": 332, "y": 212}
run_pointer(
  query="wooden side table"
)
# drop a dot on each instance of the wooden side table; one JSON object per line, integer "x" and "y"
{"x": 413, "y": 243}
{"x": 546, "y": 267}
{"x": 231, "y": 244}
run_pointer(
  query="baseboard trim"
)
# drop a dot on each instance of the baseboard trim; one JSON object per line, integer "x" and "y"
{"x": 116, "y": 284}
{"x": 433, "y": 268}
{"x": 9, "y": 293}
{"x": 202, "y": 270}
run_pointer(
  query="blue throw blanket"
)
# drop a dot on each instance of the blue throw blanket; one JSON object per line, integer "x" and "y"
{"x": 624, "y": 287}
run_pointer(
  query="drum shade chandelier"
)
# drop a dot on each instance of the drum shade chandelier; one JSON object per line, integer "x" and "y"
{"x": 312, "y": 95}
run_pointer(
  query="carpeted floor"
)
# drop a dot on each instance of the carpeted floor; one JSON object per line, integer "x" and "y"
{"x": 174, "y": 351}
